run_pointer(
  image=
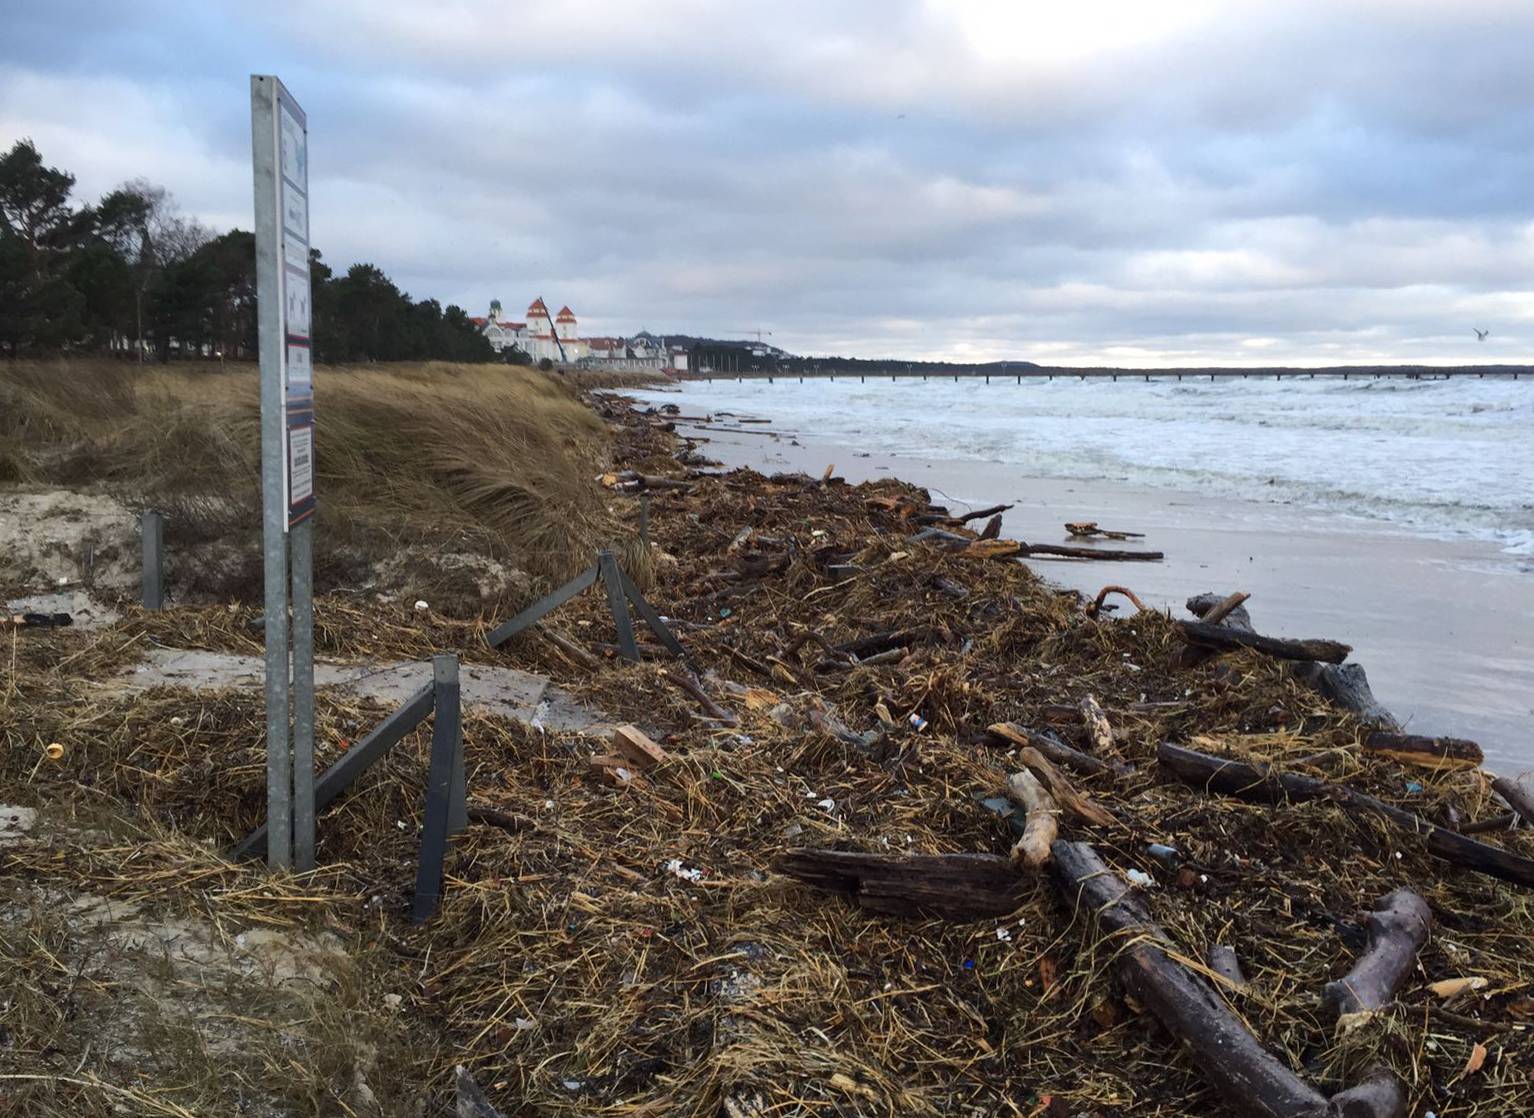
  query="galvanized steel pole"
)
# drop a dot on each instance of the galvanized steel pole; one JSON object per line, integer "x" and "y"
{"x": 274, "y": 500}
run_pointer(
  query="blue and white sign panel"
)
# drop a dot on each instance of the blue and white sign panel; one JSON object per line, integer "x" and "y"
{"x": 297, "y": 309}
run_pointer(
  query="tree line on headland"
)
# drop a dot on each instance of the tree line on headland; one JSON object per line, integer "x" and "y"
{"x": 133, "y": 277}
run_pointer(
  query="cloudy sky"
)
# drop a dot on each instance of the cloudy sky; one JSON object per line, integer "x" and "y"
{"x": 1101, "y": 181}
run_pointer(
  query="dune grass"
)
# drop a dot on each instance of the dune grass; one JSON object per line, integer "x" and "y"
{"x": 487, "y": 459}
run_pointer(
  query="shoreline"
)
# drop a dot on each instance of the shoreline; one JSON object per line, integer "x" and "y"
{"x": 1399, "y": 599}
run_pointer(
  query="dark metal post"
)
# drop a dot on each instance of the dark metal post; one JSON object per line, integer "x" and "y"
{"x": 608, "y": 567}
{"x": 446, "y": 748}
{"x": 152, "y": 523}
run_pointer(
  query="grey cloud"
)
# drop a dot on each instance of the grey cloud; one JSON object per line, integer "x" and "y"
{"x": 1304, "y": 181}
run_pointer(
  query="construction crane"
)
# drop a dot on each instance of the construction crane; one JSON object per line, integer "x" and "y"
{"x": 760, "y": 334}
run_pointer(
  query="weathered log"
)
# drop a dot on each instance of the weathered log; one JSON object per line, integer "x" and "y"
{"x": 1056, "y": 750}
{"x": 693, "y": 688}
{"x": 1431, "y": 753}
{"x": 1098, "y": 728}
{"x": 959, "y": 887}
{"x": 1253, "y": 782}
{"x": 1380, "y": 1095}
{"x": 1077, "y": 803}
{"x": 1088, "y": 528}
{"x": 992, "y": 528}
{"x": 1227, "y": 639}
{"x": 570, "y": 648}
{"x": 632, "y": 479}
{"x": 1041, "y": 824}
{"x": 1237, "y": 617}
{"x": 1201, "y": 605}
{"x": 879, "y": 642}
{"x": 1249, "y": 1077}
{"x": 1032, "y": 549}
{"x": 1346, "y": 685}
{"x": 1516, "y": 795}
{"x": 1397, "y": 930}
{"x": 982, "y": 514}
{"x": 747, "y": 661}
{"x": 1223, "y": 609}
{"x": 505, "y": 820}
{"x": 1495, "y": 823}
{"x": 1223, "y": 961}
{"x": 1246, "y": 1075}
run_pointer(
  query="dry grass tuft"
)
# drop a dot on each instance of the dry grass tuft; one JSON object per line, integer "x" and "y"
{"x": 436, "y": 457}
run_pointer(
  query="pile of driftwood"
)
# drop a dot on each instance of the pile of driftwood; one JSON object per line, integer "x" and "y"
{"x": 1190, "y": 1000}
{"x": 870, "y": 611}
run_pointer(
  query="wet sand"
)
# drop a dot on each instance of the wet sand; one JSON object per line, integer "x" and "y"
{"x": 1442, "y": 627}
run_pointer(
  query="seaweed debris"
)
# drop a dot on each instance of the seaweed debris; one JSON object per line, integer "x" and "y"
{"x": 630, "y": 948}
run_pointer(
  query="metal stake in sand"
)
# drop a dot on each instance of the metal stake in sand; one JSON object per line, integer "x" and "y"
{"x": 152, "y": 524}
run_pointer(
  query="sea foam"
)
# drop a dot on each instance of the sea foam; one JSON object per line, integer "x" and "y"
{"x": 1448, "y": 458}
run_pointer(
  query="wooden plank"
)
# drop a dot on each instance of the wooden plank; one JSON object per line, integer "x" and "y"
{"x": 637, "y": 746}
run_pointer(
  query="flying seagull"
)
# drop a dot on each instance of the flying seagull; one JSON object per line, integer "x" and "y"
{"x": 1480, "y": 335}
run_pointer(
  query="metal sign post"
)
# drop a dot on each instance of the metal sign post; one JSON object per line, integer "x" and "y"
{"x": 280, "y": 161}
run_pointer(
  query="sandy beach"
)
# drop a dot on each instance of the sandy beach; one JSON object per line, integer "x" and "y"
{"x": 1442, "y": 627}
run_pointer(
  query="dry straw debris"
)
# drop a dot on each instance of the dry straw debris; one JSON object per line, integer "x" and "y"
{"x": 630, "y": 950}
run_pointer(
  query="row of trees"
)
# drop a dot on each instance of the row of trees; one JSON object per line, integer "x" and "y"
{"x": 131, "y": 275}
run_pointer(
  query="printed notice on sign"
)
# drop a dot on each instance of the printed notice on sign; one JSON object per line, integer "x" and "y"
{"x": 297, "y": 308}
{"x": 301, "y": 465}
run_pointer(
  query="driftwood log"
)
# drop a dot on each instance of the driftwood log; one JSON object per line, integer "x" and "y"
{"x": 1064, "y": 552}
{"x": 1077, "y": 803}
{"x": 1228, "y": 639}
{"x": 1431, "y": 753}
{"x": 1041, "y": 825}
{"x": 702, "y": 697}
{"x": 1397, "y": 929}
{"x": 1502, "y": 822}
{"x": 1516, "y": 795}
{"x": 1086, "y": 529}
{"x": 983, "y": 514}
{"x": 1252, "y": 782}
{"x": 1380, "y": 1093}
{"x": 1098, "y": 728}
{"x": 1346, "y": 685}
{"x": 1205, "y": 607}
{"x": 1223, "y": 961}
{"x": 1056, "y": 750}
{"x": 960, "y": 887}
{"x": 1249, "y": 1077}
{"x": 1223, "y": 609}
{"x": 1235, "y": 616}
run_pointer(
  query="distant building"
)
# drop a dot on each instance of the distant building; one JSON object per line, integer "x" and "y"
{"x": 542, "y": 336}
{"x": 557, "y": 338}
